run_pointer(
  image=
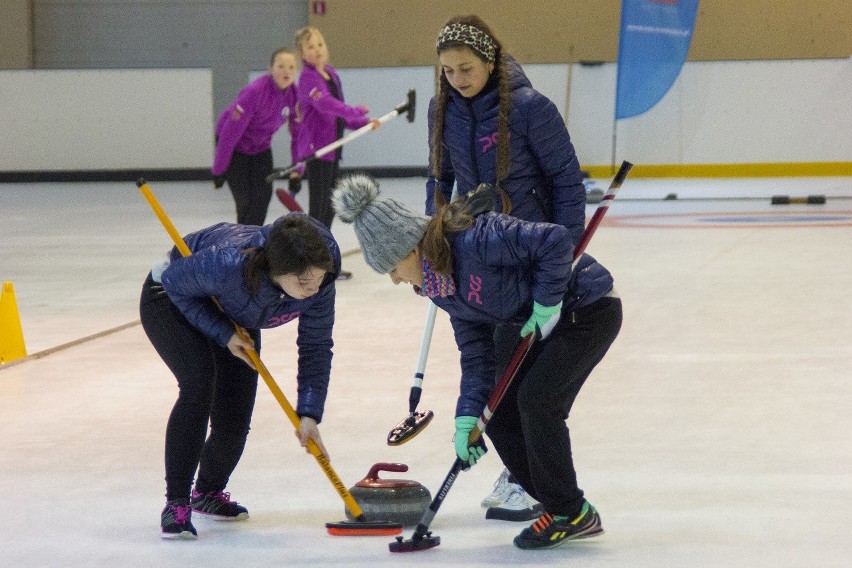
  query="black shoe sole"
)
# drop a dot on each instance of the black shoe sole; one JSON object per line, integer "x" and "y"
{"x": 513, "y": 515}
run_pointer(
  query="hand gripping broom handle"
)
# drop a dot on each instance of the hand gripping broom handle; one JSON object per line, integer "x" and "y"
{"x": 313, "y": 448}
{"x": 526, "y": 344}
{"x": 407, "y": 107}
{"x": 514, "y": 364}
{"x": 497, "y": 394}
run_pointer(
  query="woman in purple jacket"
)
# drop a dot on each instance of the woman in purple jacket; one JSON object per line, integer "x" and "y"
{"x": 244, "y": 134}
{"x": 262, "y": 277}
{"x": 488, "y": 270}
{"x": 324, "y": 118}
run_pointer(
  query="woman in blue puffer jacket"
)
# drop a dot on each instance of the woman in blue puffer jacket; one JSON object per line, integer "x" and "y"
{"x": 488, "y": 125}
{"x": 262, "y": 277}
{"x": 488, "y": 270}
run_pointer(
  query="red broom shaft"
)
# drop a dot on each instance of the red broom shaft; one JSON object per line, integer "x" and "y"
{"x": 602, "y": 208}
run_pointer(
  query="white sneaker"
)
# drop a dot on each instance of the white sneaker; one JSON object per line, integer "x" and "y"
{"x": 518, "y": 506}
{"x": 502, "y": 489}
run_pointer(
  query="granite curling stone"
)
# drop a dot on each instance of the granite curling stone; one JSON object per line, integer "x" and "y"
{"x": 393, "y": 500}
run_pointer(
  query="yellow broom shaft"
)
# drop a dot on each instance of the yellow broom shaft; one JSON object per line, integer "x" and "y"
{"x": 313, "y": 448}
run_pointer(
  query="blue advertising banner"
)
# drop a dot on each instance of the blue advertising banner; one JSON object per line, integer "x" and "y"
{"x": 653, "y": 43}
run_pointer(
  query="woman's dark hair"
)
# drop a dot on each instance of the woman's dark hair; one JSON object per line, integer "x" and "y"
{"x": 501, "y": 69}
{"x": 453, "y": 218}
{"x": 293, "y": 246}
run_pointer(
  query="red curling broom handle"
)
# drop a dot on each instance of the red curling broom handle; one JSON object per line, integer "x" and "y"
{"x": 526, "y": 344}
{"x": 602, "y": 209}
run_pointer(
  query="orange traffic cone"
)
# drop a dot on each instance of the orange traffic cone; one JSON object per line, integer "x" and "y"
{"x": 11, "y": 335}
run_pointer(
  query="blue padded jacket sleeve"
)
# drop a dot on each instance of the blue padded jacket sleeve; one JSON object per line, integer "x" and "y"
{"x": 315, "y": 343}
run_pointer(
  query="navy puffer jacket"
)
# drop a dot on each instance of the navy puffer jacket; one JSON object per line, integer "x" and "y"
{"x": 215, "y": 268}
{"x": 500, "y": 266}
{"x": 544, "y": 180}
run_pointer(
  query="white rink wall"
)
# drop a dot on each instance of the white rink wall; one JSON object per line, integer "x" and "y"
{"x": 715, "y": 113}
{"x": 116, "y": 119}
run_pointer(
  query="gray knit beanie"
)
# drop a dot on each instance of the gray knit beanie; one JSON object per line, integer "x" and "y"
{"x": 386, "y": 229}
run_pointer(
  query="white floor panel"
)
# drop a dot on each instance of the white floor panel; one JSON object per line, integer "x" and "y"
{"x": 715, "y": 432}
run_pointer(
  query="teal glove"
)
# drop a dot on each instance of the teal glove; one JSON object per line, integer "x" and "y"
{"x": 468, "y": 454}
{"x": 544, "y": 318}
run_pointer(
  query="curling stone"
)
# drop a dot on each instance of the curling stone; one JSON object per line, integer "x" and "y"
{"x": 394, "y": 500}
{"x": 594, "y": 194}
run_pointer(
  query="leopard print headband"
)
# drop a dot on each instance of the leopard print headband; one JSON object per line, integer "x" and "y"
{"x": 471, "y": 36}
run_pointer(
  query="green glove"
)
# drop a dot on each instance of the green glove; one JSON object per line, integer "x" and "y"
{"x": 468, "y": 454}
{"x": 544, "y": 318}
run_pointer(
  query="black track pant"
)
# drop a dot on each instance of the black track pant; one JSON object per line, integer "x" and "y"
{"x": 215, "y": 387}
{"x": 322, "y": 176}
{"x": 246, "y": 177}
{"x": 528, "y": 429}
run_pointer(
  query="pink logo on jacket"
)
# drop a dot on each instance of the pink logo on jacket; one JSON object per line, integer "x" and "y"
{"x": 282, "y": 319}
{"x": 488, "y": 141}
{"x": 475, "y": 288}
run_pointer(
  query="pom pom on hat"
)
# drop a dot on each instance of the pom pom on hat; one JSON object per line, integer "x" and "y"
{"x": 386, "y": 229}
{"x": 353, "y": 195}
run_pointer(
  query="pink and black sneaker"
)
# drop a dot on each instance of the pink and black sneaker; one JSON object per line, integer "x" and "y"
{"x": 218, "y": 505}
{"x": 176, "y": 520}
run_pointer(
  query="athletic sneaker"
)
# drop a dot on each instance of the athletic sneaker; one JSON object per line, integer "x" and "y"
{"x": 502, "y": 489}
{"x": 519, "y": 506}
{"x": 552, "y": 530}
{"x": 344, "y": 275}
{"x": 176, "y": 520}
{"x": 218, "y": 505}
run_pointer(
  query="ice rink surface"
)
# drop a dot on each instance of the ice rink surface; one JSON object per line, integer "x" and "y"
{"x": 716, "y": 432}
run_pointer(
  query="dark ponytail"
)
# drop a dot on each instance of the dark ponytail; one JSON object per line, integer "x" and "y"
{"x": 453, "y": 218}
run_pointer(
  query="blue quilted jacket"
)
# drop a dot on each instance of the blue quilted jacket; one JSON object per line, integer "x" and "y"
{"x": 500, "y": 266}
{"x": 215, "y": 268}
{"x": 544, "y": 180}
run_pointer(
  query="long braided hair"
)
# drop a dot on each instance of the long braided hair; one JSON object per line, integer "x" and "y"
{"x": 501, "y": 69}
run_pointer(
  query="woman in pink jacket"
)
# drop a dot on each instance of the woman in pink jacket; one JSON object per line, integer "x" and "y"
{"x": 324, "y": 118}
{"x": 244, "y": 134}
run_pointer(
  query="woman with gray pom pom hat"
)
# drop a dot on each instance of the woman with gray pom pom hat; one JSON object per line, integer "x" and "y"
{"x": 487, "y": 269}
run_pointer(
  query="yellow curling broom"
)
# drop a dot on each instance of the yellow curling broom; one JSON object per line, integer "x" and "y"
{"x": 360, "y": 526}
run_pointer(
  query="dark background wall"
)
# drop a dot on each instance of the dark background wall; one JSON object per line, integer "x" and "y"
{"x": 232, "y": 37}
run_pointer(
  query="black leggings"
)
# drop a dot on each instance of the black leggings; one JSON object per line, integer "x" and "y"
{"x": 322, "y": 176}
{"x": 528, "y": 429}
{"x": 213, "y": 386}
{"x": 246, "y": 177}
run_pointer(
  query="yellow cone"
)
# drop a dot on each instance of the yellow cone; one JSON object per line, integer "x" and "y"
{"x": 11, "y": 335}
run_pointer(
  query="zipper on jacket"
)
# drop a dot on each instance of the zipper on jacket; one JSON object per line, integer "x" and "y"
{"x": 473, "y": 149}
{"x": 541, "y": 204}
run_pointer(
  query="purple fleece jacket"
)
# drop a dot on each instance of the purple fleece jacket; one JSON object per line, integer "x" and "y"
{"x": 320, "y": 111}
{"x": 248, "y": 123}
